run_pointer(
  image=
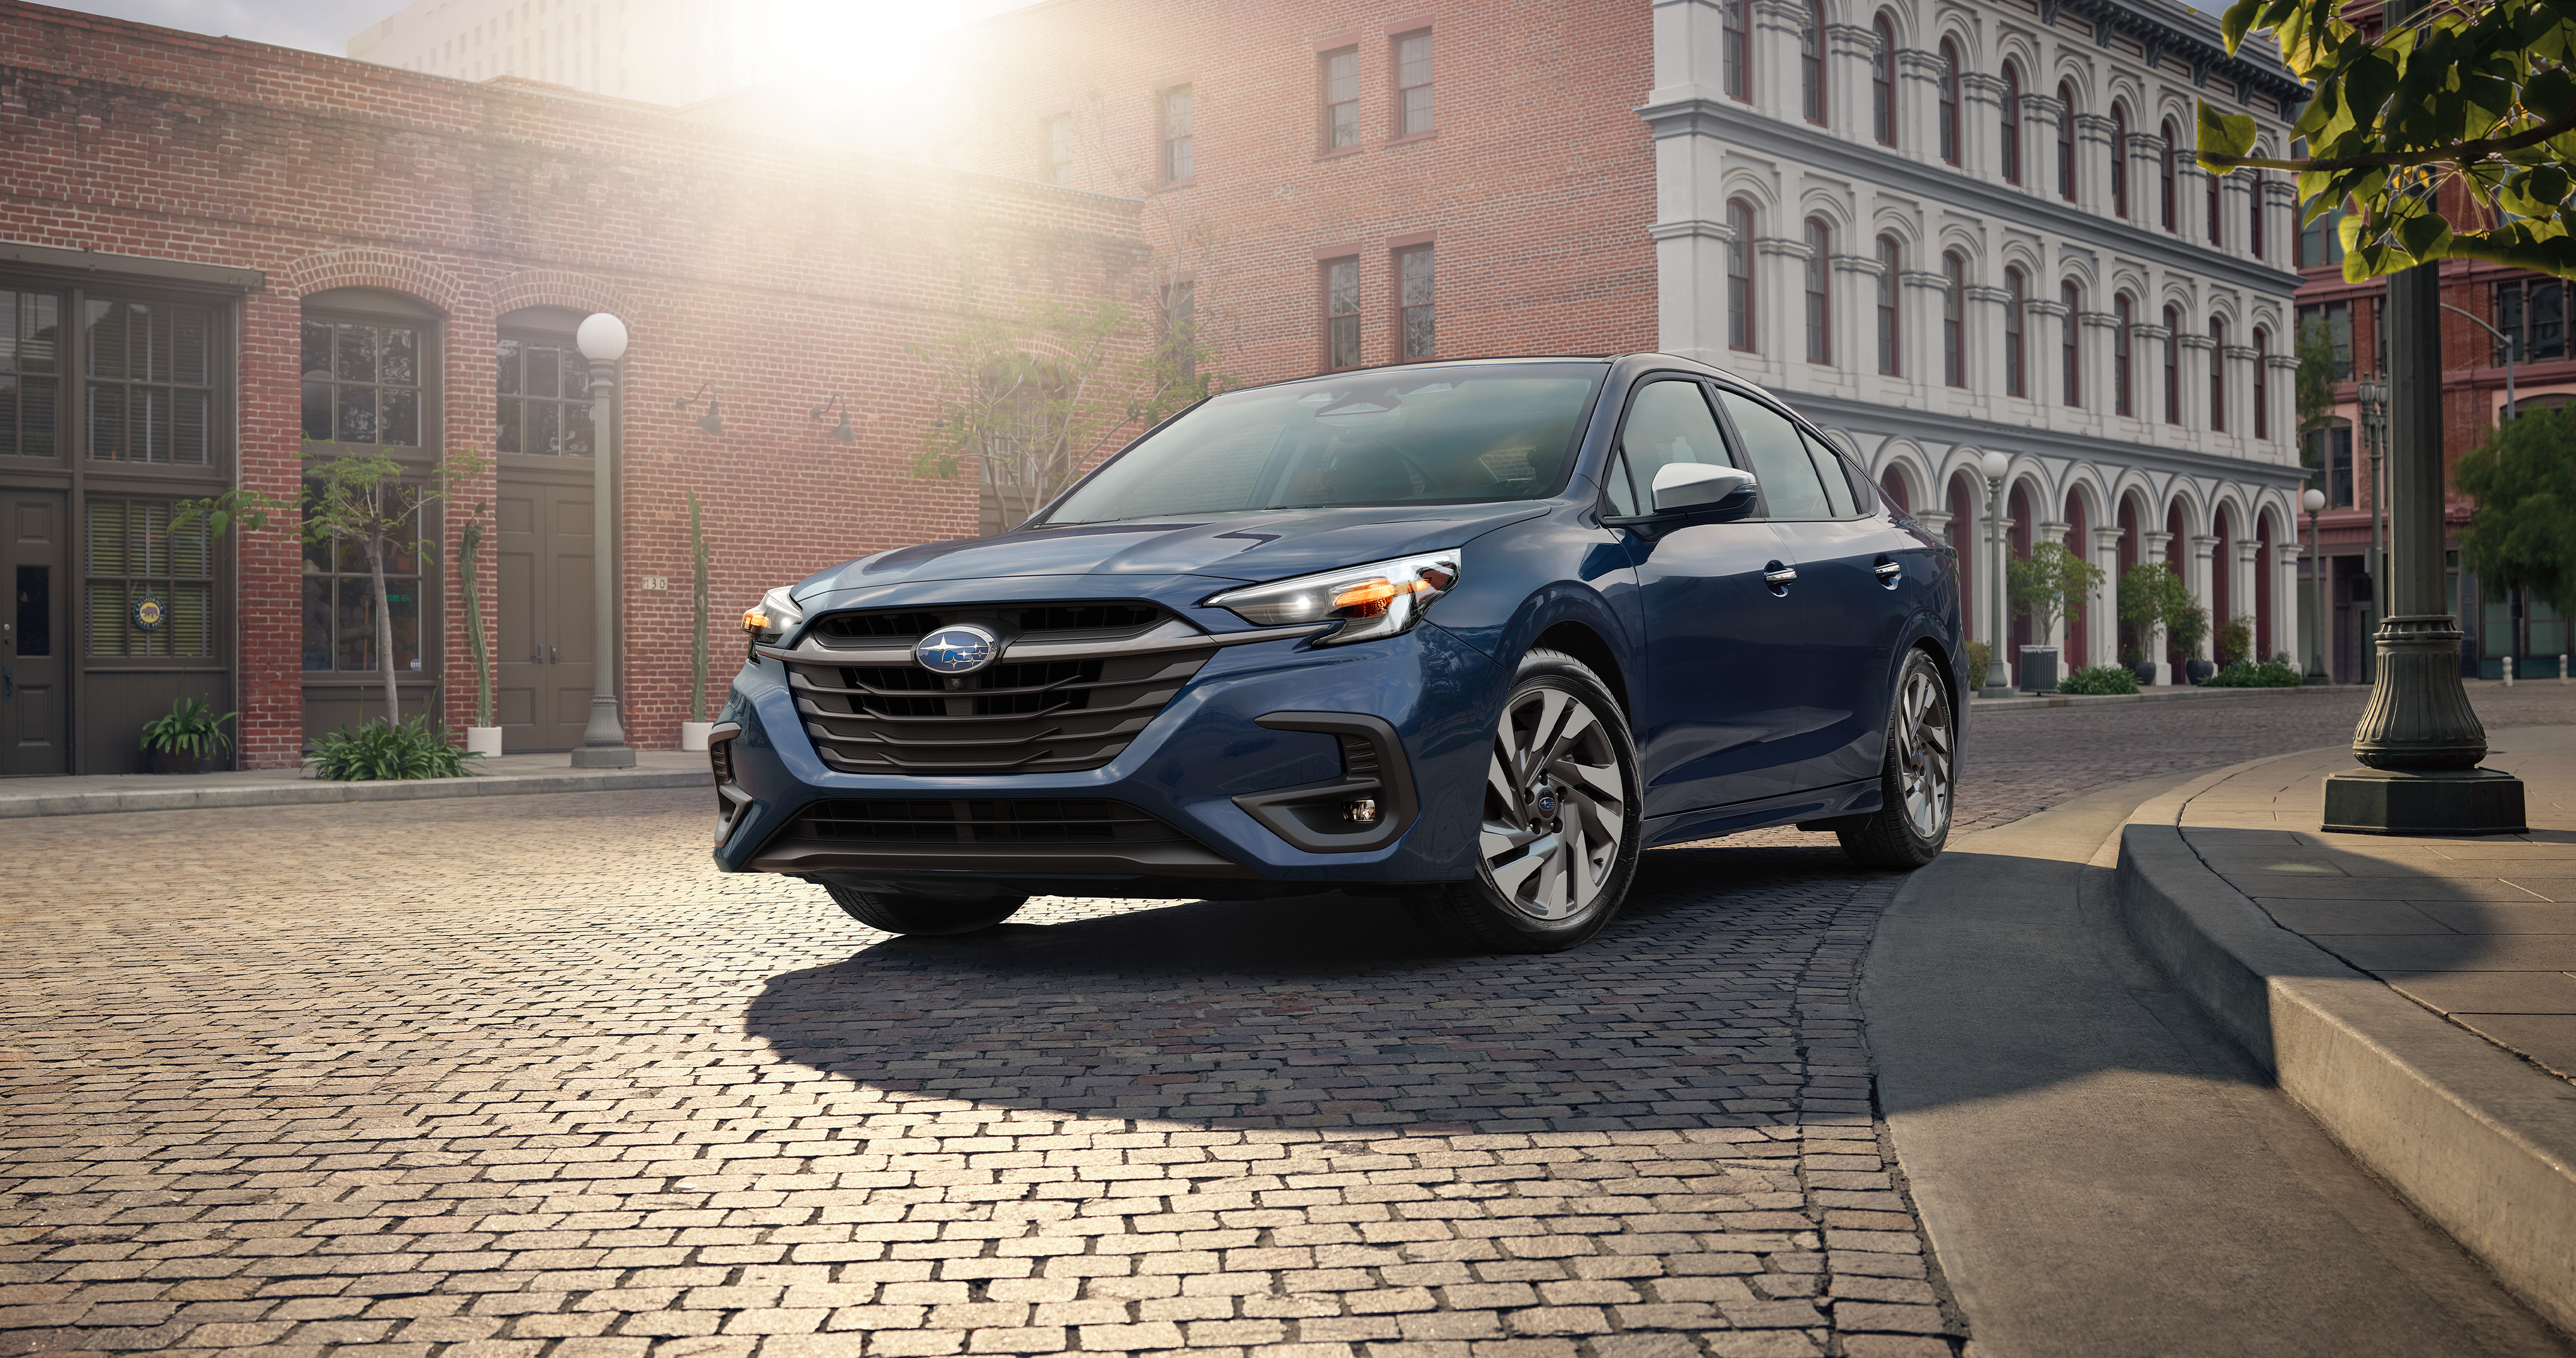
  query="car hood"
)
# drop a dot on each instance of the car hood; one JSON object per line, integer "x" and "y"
{"x": 1254, "y": 545}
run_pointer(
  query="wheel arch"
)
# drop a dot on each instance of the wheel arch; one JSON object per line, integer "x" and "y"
{"x": 1581, "y": 642}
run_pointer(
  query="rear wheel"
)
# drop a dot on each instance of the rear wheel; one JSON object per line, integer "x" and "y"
{"x": 1557, "y": 840}
{"x": 900, "y": 914}
{"x": 1918, "y": 779}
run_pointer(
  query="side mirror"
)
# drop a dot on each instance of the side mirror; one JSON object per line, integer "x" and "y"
{"x": 1701, "y": 485}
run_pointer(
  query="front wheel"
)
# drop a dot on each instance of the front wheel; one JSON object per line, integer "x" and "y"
{"x": 901, "y": 914}
{"x": 1557, "y": 841}
{"x": 1918, "y": 779}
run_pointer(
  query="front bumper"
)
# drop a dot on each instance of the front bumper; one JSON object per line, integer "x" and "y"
{"x": 1217, "y": 796}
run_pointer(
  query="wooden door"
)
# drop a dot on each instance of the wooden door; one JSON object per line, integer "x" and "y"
{"x": 35, "y": 632}
{"x": 545, "y": 611}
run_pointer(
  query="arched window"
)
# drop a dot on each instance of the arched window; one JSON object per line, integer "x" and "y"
{"x": 2217, "y": 375}
{"x": 2262, "y": 383}
{"x": 2165, "y": 173}
{"x": 2070, "y": 352}
{"x": 1882, "y": 84}
{"x": 1890, "y": 265}
{"x": 1735, "y": 17}
{"x": 1949, "y": 118}
{"x": 2210, "y": 195}
{"x": 2119, "y": 161}
{"x": 1811, "y": 63}
{"x": 2173, "y": 366}
{"x": 1820, "y": 255}
{"x": 2011, "y": 124}
{"x": 1739, "y": 275}
{"x": 2016, "y": 299}
{"x": 2122, "y": 315}
{"x": 1954, "y": 341}
{"x": 2066, "y": 141}
{"x": 2254, "y": 218}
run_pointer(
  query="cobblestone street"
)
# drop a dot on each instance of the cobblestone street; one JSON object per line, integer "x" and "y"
{"x": 525, "y": 1076}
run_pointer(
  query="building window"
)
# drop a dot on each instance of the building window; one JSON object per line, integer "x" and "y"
{"x": 2016, "y": 306}
{"x": 2066, "y": 141}
{"x": 1413, "y": 300}
{"x": 1882, "y": 84}
{"x": 340, "y": 601}
{"x": 362, "y": 384}
{"x": 2070, "y": 351}
{"x": 2532, "y": 312}
{"x": 2009, "y": 126}
{"x": 2262, "y": 383}
{"x": 2338, "y": 464}
{"x": 151, "y": 393}
{"x": 2209, "y": 192}
{"x": 2119, "y": 161}
{"x": 1059, "y": 149}
{"x": 2254, "y": 218}
{"x": 1413, "y": 84}
{"x": 1735, "y": 19}
{"x": 1342, "y": 314}
{"x": 2122, "y": 382}
{"x": 1739, "y": 275}
{"x": 1820, "y": 252}
{"x": 1811, "y": 63}
{"x": 1954, "y": 341}
{"x": 2173, "y": 366}
{"x": 30, "y": 373}
{"x": 133, "y": 556}
{"x": 1178, "y": 161}
{"x": 2336, "y": 317}
{"x": 1341, "y": 98}
{"x": 1889, "y": 260}
{"x": 2165, "y": 174}
{"x": 2217, "y": 375}
{"x": 1949, "y": 113}
{"x": 545, "y": 407}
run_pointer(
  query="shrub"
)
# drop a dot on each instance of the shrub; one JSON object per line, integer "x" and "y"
{"x": 189, "y": 729}
{"x": 2098, "y": 679}
{"x": 1979, "y": 655}
{"x": 376, "y": 752}
{"x": 2269, "y": 674}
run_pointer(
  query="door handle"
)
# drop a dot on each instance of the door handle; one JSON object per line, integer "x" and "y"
{"x": 553, "y": 656}
{"x": 1887, "y": 571}
{"x": 1778, "y": 577}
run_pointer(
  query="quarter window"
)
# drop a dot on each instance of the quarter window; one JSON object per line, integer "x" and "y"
{"x": 140, "y": 572}
{"x": 1413, "y": 84}
{"x": 362, "y": 384}
{"x": 151, "y": 394}
{"x": 30, "y": 373}
{"x": 545, "y": 403}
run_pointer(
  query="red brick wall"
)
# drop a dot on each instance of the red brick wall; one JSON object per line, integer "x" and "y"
{"x": 782, "y": 272}
{"x": 1536, "y": 186}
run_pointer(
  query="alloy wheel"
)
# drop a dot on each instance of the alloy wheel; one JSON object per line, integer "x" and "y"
{"x": 1556, "y": 805}
{"x": 1923, "y": 752}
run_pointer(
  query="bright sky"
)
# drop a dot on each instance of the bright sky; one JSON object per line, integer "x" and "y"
{"x": 317, "y": 25}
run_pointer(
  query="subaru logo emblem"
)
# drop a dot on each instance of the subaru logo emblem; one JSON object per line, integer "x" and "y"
{"x": 1547, "y": 806}
{"x": 962, "y": 649}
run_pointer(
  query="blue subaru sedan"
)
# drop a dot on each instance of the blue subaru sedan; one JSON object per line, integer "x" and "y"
{"x": 1466, "y": 635}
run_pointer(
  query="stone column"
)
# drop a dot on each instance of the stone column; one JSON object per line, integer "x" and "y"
{"x": 2145, "y": 209}
{"x": 1855, "y": 285}
{"x": 1918, "y": 324}
{"x": 2093, "y": 152}
{"x": 2050, "y": 530}
{"x": 1777, "y": 26}
{"x": 2281, "y": 377}
{"x": 1981, "y": 102}
{"x": 2288, "y": 607}
{"x": 2039, "y": 115}
{"x": 2198, "y": 352}
{"x": 2236, "y": 194}
{"x": 2192, "y": 187}
{"x": 2152, "y": 543}
{"x": 2043, "y": 333}
{"x": 1780, "y": 304}
{"x": 1985, "y": 342}
{"x": 2204, "y": 551}
{"x": 2102, "y": 638}
{"x": 2101, "y": 335}
{"x": 1849, "y": 50}
{"x": 1690, "y": 258}
{"x": 1918, "y": 104}
{"x": 2239, "y": 360}
{"x": 2247, "y": 579}
{"x": 2147, "y": 351}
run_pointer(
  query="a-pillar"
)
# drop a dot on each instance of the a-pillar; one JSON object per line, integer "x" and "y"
{"x": 2152, "y": 544}
{"x": 2204, "y": 549}
{"x": 2102, "y": 614}
{"x": 2050, "y": 530}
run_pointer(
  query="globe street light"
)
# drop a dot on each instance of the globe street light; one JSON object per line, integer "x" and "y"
{"x": 602, "y": 338}
{"x": 2312, "y": 500}
{"x": 1998, "y": 679}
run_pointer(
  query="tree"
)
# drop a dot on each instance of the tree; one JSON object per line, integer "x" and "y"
{"x": 2524, "y": 480}
{"x": 363, "y": 499}
{"x": 2152, "y": 596}
{"x": 2044, "y": 584}
{"x": 2320, "y": 368}
{"x": 2472, "y": 93}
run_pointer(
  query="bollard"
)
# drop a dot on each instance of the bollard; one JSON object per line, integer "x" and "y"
{"x": 2508, "y": 671}
{"x": 2562, "y": 667}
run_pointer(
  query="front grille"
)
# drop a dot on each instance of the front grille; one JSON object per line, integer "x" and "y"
{"x": 1077, "y": 682}
{"x": 980, "y": 822}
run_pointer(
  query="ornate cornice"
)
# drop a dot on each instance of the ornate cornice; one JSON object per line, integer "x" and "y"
{"x": 2164, "y": 29}
{"x": 1933, "y": 428}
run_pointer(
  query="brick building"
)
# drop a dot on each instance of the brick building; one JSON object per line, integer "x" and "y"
{"x": 222, "y": 262}
{"x": 1941, "y": 227}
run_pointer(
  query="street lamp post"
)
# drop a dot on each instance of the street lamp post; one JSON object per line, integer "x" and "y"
{"x": 2374, "y": 438}
{"x": 2312, "y": 500}
{"x": 2504, "y": 342}
{"x": 1998, "y": 678}
{"x": 602, "y": 338}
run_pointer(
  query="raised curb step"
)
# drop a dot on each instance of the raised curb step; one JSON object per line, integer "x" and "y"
{"x": 315, "y": 792}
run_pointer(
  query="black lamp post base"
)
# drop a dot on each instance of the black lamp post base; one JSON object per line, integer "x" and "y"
{"x": 2431, "y": 802}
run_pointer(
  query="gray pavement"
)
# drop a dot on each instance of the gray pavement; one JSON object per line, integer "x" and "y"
{"x": 507, "y": 775}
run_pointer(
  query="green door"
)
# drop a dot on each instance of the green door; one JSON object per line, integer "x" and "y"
{"x": 35, "y": 631}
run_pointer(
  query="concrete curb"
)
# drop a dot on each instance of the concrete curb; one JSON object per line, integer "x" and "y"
{"x": 2480, "y": 1143}
{"x": 2167, "y": 693}
{"x": 314, "y": 792}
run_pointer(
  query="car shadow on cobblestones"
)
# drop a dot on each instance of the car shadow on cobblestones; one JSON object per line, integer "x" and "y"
{"x": 1336, "y": 1011}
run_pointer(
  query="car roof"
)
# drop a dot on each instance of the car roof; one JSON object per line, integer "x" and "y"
{"x": 1653, "y": 357}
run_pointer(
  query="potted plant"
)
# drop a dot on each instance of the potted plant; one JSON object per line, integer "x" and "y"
{"x": 2042, "y": 585}
{"x": 2153, "y": 599}
{"x": 186, "y": 739}
{"x": 694, "y": 731}
{"x": 2186, "y": 622}
{"x": 483, "y": 737}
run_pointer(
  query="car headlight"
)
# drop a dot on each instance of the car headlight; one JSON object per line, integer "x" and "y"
{"x": 1372, "y": 601}
{"x": 773, "y": 617}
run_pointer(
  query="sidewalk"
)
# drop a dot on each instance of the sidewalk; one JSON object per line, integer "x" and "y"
{"x": 2417, "y": 995}
{"x": 2167, "y": 692}
{"x": 509, "y": 775}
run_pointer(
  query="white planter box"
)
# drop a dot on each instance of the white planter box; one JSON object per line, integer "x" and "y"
{"x": 483, "y": 740}
{"x": 693, "y": 735}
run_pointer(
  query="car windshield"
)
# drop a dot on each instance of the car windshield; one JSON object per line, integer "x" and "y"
{"x": 1429, "y": 435}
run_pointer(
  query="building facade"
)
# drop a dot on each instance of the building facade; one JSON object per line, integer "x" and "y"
{"x": 223, "y": 265}
{"x": 669, "y": 52}
{"x": 1939, "y": 228}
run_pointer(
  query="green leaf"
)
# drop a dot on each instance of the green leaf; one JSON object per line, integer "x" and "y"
{"x": 2423, "y": 235}
{"x": 2223, "y": 135}
{"x": 2232, "y": 26}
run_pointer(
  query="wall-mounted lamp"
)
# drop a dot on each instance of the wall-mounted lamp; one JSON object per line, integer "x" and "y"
{"x": 711, "y": 422}
{"x": 841, "y": 433}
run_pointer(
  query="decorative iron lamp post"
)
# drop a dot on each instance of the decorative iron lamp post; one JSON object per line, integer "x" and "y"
{"x": 1998, "y": 679}
{"x": 2374, "y": 437}
{"x": 2312, "y": 500}
{"x": 602, "y": 338}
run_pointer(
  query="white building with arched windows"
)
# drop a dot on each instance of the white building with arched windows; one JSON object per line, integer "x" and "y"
{"x": 1944, "y": 229}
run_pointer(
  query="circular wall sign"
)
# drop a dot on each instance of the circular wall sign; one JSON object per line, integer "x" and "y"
{"x": 149, "y": 612}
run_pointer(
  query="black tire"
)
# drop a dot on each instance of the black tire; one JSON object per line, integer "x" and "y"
{"x": 1560, "y": 822}
{"x": 900, "y": 914}
{"x": 1919, "y": 781}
